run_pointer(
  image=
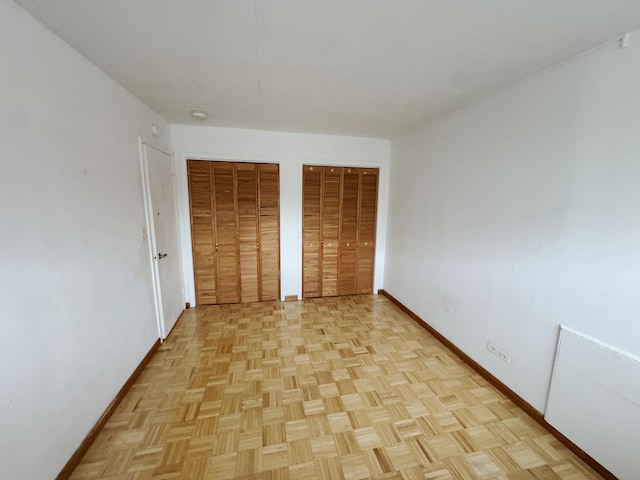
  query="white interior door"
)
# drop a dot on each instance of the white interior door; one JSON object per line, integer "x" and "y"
{"x": 163, "y": 236}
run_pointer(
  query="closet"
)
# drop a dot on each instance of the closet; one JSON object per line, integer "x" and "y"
{"x": 338, "y": 230}
{"x": 235, "y": 231}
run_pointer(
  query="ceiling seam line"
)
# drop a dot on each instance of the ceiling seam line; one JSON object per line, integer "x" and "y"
{"x": 175, "y": 54}
{"x": 354, "y": 29}
{"x": 257, "y": 46}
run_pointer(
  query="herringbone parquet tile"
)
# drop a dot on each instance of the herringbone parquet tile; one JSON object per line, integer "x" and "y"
{"x": 336, "y": 388}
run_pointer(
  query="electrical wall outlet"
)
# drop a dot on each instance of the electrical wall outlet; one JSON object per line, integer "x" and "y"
{"x": 498, "y": 352}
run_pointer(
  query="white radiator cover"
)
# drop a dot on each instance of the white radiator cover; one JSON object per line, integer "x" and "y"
{"x": 594, "y": 400}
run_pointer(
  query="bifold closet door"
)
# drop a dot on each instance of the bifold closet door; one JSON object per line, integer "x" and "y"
{"x": 269, "y": 229}
{"x": 330, "y": 229}
{"x": 338, "y": 231}
{"x": 202, "y": 234}
{"x": 247, "y": 182}
{"x": 311, "y": 201}
{"x": 347, "y": 254}
{"x": 226, "y": 237}
{"x": 235, "y": 229}
{"x": 202, "y": 230}
{"x": 366, "y": 243}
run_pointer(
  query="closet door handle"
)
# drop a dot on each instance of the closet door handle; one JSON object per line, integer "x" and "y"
{"x": 161, "y": 256}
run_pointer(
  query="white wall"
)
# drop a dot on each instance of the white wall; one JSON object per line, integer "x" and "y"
{"x": 291, "y": 151}
{"x": 522, "y": 211}
{"x": 75, "y": 287}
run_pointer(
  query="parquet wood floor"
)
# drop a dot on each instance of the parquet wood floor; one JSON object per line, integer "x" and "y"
{"x": 331, "y": 388}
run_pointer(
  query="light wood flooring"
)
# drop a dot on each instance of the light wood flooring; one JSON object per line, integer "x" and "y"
{"x": 332, "y": 388}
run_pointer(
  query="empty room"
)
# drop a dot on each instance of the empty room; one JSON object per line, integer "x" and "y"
{"x": 320, "y": 239}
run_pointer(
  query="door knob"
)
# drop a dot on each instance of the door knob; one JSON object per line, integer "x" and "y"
{"x": 162, "y": 255}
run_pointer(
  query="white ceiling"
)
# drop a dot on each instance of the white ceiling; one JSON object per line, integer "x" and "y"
{"x": 354, "y": 67}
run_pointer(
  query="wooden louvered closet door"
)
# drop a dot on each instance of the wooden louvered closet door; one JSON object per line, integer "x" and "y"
{"x": 202, "y": 230}
{"x": 269, "y": 225}
{"x": 338, "y": 231}
{"x": 225, "y": 230}
{"x": 330, "y": 229}
{"x": 348, "y": 231}
{"x": 311, "y": 267}
{"x": 367, "y": 230}
{"x": 235, "y": 229}
{"x": 247, "y": 182}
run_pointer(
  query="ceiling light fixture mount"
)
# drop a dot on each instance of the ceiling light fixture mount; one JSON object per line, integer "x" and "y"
{"x": 199, "y": 114}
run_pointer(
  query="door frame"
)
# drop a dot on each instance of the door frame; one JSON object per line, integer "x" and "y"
{"x": 151, "y": 233}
